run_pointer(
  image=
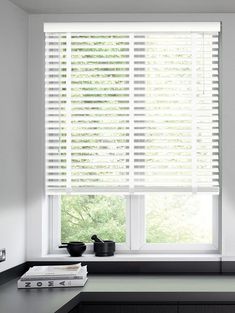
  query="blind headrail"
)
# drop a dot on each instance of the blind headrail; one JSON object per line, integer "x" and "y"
{"x": 123, "y": 27}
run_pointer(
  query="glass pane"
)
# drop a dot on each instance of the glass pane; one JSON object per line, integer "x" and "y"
{"x": 178, "y": 218}
{"x": 85, "y": 215}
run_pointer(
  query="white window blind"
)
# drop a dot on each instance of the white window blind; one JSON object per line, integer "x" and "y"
{"x": 132, "y": 111}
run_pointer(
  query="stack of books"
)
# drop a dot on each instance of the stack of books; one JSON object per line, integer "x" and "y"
{"x": 54, "y": 276}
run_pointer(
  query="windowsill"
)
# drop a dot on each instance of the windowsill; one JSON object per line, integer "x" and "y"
{"x": 131, "y": 257}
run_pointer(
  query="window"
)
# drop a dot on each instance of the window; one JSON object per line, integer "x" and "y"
{"x": 132, "y": 134}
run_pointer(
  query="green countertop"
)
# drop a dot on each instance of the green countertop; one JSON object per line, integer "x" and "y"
{"x": 118, "y": 288}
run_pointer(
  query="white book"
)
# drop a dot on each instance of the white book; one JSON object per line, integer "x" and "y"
{"x": 51, "y": 283}
{"x": 54, "y": 270}
{"x": 81, "y": 274}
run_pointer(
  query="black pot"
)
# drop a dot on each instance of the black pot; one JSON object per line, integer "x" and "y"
{"x": 105, "y": 248}
{"x": 74, "y": 248}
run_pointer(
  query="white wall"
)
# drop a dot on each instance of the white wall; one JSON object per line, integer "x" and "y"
{"x": 13, "y": 130}
{"x": 14, "y": 135}
{"x": 37, "y": 246}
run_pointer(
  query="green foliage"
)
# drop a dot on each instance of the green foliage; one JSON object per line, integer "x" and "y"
{"x": 83, "y": 216}
{"x": 178, "y": 218}
{"x": 170, "y": 218}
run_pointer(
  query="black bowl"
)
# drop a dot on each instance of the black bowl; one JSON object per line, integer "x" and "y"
{"x": 78, "y": 243}
{"x": 106, "y": 248}
{"x": 75, "y": 248}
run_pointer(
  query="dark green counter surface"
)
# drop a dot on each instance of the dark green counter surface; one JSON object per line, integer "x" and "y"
{"x": 136, "y": 288}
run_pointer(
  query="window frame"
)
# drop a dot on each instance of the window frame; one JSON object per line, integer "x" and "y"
{"x": 135, "y": 231}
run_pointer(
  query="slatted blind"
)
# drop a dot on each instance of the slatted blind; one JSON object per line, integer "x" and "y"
{"x": 132, "y": 111}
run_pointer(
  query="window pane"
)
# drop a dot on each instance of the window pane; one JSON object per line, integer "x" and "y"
{"x": 178, "y": 218}
{"x": 85, "y": 215}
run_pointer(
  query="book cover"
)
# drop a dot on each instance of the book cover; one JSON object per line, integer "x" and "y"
{"x": 51, "y": 283}
{"x": 81, "y": 274}
{"x": 54, "y": 270}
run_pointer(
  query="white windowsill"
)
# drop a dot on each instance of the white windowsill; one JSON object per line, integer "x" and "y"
{"x": 131, "y": 257}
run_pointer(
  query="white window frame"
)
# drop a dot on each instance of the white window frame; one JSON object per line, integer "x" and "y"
{"x": 135, "y": 231}
{"x": 135, "y": 212}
